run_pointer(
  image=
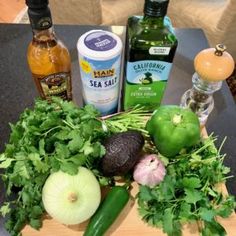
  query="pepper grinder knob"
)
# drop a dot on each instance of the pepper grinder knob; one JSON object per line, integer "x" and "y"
{"x": 220, "y": 48}
{"x": 214, "y": 64}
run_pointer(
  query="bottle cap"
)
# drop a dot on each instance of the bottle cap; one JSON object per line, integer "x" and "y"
{"x": 39, "y": 14}
{"x": 99, "y": 45}
{"x": 214, "y": 64}
{"x": 156, "y": 7}
{"x": 37, "y": 4}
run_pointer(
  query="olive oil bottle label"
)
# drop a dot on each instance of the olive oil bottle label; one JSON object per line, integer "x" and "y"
{"x": 58, "y": 84}
{"x": 159, "y": 50}
{"x": 145, "y": 83}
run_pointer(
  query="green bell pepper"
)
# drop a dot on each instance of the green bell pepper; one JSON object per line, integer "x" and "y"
{"x": 173, "y": 128}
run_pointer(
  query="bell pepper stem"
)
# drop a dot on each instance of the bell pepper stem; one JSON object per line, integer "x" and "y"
{"x": 177, "y": 119}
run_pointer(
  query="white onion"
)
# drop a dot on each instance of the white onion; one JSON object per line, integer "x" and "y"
{"x": 149, "y": 171}
{"x": 71, "y": 199}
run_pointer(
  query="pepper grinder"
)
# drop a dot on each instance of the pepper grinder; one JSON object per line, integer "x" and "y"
{"x": 212, "y": 66}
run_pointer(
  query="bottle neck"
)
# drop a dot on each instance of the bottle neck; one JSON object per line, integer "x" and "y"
{"x": 40, "y": 19}
{"x": 44, "y": 33}
{"x": 45, "y": 38}
{"x": 154, "y": 20}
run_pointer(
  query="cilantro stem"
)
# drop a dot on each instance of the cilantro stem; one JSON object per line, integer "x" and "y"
{"x": 222, "y": 144}
{"x": 205, "y": 146}
{"x": 205, "y": 185}
{"x": 228, "y": 177}
{"x": 69, "y": 124}
{"x": 50, "y": 130}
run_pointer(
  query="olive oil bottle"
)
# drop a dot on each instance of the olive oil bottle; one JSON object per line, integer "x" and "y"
{"x": 48, "y": 58}
{"x": 150, "y": 50}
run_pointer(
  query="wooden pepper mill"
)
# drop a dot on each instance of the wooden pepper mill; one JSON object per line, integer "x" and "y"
{"x": 212, "y": 66}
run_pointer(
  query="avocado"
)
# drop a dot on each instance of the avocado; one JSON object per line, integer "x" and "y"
{"x": 122, "y": 152}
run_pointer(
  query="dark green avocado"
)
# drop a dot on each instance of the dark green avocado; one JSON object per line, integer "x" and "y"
{"x": 122, "y": 152}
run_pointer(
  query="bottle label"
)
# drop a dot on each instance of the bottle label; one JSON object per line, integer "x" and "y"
{"x": 159, "y": 50}
{"x": 58, "y": 84}
{"x": 100, "y": 81}
{"x": 145, "y": 82}
{"x": 44, "y": 23}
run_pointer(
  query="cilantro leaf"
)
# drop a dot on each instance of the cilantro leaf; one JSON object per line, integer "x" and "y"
{"x": 78, "y": 159}
{"x": 213, "y": 228}
{"x": 168, "y": 221}
{"x": 63, "y": 134}
{"x": 226, "y": 207}
{"x": 62, "y": 150}
{"x": 38, "y": 163}
{"x": 6, "y": 163}
{"x": 36, "y": 211}
{"x": 185, "y": 211}
{"x": 42, "y": 147}
{"x": 167, "y": 188}
{"x": 5, "y": 209}
{"x": 207, "y": 214}
{"x": 191, "y": 182}
{"x": 192, "y": 196}
{"x": 76, "y": 143}
{"x": 35, "y": 223}
{"x": 145, "y": 193}
{"x": 69, "y": 167}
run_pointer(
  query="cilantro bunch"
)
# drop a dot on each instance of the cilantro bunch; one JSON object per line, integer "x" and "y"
{"x": 50, "y": 137}
{"x": 189, "y": 193}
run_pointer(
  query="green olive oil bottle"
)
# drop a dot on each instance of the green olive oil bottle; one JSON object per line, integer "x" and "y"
{"x": 150, "y": 50}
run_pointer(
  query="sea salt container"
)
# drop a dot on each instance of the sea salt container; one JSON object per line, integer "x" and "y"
{"x": 99, "y": 55}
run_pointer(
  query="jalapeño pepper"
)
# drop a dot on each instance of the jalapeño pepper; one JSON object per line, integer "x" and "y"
{"x": 108, "y": 211}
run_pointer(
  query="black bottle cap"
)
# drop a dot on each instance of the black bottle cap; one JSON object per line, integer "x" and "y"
{"x": 39, "y": 14}
{"x": 156, "y": 7}
{"x": 37, "y": 4}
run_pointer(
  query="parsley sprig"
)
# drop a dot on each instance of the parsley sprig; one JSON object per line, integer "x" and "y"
{"x": 189, "y": 193}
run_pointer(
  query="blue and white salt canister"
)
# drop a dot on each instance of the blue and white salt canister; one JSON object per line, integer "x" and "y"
{"x": 100, "y": 63}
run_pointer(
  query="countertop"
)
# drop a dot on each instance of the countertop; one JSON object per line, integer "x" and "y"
{"x": 17, "y": 90}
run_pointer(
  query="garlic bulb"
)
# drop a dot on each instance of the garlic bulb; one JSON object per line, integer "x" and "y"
{"x": 149, "y": 171}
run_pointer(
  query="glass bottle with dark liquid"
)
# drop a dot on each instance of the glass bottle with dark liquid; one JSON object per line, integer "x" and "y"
{"x": 48, "y": 58}
{"x": 150, "y": 49}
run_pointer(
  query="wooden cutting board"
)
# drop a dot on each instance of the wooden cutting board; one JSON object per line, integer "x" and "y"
{"x": 128, "y": 223}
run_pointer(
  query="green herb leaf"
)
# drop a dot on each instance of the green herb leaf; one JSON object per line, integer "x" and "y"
{"x": 192, "y": 196}
{"x": 76, "y": 143}
{"x": 39, "y": 165}
{"x": 36, "y": 211}
{"x": 5, "y": 209}
{"x": 35, "y": 223}
{"x": 145, "y": 193}
{"x": 168, "y": 221}
{"x": 191, "y": 182}
{"x": 185, "y": 211}
{"x": 206, "y": 214}
{"x": 41, "y": 147}
{"x": 213, "y": 228}
{"x": 6, "y": 163}
{"x": 69, "y": 168}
